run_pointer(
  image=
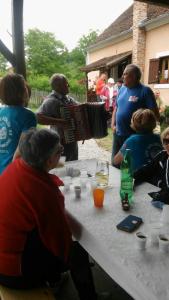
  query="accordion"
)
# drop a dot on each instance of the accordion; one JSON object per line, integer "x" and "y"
{"x": 88, "y": 120}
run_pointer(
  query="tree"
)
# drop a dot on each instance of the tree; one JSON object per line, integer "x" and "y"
{"x": 86, "y": 40}
{"x": 77, "y": 59}
{"x": 45, "y": 55}
{"x": 78, "y": 54}
{"x": 3, "y": 63}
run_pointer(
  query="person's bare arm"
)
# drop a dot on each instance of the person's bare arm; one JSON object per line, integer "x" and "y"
{"x": 46, "y": 120}
{"x": 113, "y": 124}
{"x": 118, "y": 158}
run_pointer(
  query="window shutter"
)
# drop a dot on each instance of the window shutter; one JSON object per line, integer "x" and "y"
{"x": 154, "y": 70}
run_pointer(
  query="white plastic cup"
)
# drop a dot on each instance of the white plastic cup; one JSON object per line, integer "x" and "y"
{"x": 77, "y": 190}
{"x": 83, "y": 181}
{"x": 141, "y": 240}
{"x": 165, "y": 214}
{"x": 163, "y": 243}
{"x": 67, "y": 182}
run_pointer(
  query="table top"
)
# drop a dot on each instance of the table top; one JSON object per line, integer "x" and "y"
{"x": 143, "y": 274}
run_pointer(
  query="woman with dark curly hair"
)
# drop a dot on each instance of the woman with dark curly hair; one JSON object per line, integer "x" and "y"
{"x": 14, "y": 117}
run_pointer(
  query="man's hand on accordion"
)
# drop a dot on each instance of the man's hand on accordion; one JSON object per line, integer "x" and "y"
{"x": 46, "y": 120}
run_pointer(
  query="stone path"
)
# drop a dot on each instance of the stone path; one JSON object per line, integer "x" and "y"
{"x": 90, "y": 149}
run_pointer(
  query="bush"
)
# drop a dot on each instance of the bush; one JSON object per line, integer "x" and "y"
{"x": 166, "y": 111}
{"x": 39, "y": 82}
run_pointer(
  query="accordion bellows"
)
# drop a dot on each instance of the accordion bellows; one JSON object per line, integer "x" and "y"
{"x": 88, "y": 120}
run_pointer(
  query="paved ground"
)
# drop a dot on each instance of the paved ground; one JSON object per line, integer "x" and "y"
{"x": 90, "y": 149}
{"x": 103, "y": 282}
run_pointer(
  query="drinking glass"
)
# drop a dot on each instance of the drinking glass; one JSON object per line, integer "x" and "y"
{"x": 102, "y": 173}
{"x": 98, "y": 196}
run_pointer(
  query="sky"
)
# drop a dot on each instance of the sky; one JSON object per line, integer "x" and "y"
{"x": 67, "y": 19}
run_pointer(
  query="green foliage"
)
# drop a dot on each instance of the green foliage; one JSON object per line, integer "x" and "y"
{"x": 45, "y": 56}
{"x": 76, "y": 56}
{"x": 166, "y": 111}
{"x": 39, "y": 82}
{"x": 86, "y": 40}
{"x": 3, "y": 64}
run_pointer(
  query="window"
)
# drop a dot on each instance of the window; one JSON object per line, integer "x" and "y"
{"x": 159, "y": 70}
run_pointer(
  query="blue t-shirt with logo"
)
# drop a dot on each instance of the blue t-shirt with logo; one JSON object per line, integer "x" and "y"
{"x": 144, "y": 147}
{"x": 13, "y": 121}
{"x": 129, "y": 100}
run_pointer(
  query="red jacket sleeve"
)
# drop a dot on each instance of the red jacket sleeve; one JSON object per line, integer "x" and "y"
{"x": 52, "y": 222}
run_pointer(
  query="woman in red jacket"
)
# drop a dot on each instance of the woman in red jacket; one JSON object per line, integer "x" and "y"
{"x": 35, "y": 238}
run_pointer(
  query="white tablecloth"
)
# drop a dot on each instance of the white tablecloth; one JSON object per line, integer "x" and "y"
{"x": 143, "y": 274}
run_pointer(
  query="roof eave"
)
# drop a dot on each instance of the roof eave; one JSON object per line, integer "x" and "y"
{"x": 154, "y": 23}
{"x": 113, "y": 39}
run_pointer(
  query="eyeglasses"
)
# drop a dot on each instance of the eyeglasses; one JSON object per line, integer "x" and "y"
{"x": 165, "y": 141}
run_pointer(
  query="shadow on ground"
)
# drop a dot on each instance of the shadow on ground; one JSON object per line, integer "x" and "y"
{"x": 103, "y": 283}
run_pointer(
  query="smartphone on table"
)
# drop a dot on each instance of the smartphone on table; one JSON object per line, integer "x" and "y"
{"x": 130, "y": 223}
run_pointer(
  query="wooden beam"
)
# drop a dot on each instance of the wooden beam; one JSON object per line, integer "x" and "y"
{"x": 7, "y": 53}
{"x": 156, "y": 2}
{"x": 18, "y": 36}
{"x": 87, "y": 87}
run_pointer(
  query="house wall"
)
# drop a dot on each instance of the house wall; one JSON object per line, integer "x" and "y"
{"x": 114, "y": 49}
{"x": 139, "y": 34}
{"x": 157, "y": 40}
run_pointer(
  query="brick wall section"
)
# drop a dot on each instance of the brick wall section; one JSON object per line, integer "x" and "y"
{"x": 139, "y": 35}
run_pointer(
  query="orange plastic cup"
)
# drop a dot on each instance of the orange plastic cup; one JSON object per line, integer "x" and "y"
{"x": 98, "y": 196}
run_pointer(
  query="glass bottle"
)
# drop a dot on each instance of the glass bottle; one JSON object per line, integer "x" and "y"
{"x": 126, "y": 185}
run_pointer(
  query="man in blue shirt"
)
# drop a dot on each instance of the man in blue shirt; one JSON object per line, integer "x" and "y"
{"x": 132, "y": 96}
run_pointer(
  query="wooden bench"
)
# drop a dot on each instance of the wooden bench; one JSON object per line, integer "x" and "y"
{"x": 33, "y": 294}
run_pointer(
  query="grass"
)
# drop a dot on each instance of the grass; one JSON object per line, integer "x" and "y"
{"x": 106, "y": 143}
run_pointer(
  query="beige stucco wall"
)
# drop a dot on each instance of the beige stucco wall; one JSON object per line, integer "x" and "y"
{"x": 114, "y": 49}
{"x": 157, "y": 40}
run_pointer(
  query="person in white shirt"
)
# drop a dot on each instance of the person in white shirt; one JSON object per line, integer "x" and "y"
{"x": 107, "y": 93}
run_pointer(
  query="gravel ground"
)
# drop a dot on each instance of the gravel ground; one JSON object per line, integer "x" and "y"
{"x": 90, "y": 149}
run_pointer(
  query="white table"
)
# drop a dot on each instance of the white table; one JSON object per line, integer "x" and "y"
{"x": 143, "y": 274}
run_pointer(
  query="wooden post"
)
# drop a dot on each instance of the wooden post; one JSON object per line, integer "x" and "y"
{"x": 7, "y": 54}
{"x": 18, "y": 37}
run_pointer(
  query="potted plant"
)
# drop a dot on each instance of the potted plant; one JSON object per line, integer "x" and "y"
{"x": 163, "y": 80}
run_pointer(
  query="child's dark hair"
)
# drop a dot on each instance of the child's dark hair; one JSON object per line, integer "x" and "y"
{"x": 12, "y": 89}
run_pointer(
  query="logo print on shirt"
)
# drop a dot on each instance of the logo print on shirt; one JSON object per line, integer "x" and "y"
{"x": 133, "y": 99}
{"x": 5, "y": 134}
